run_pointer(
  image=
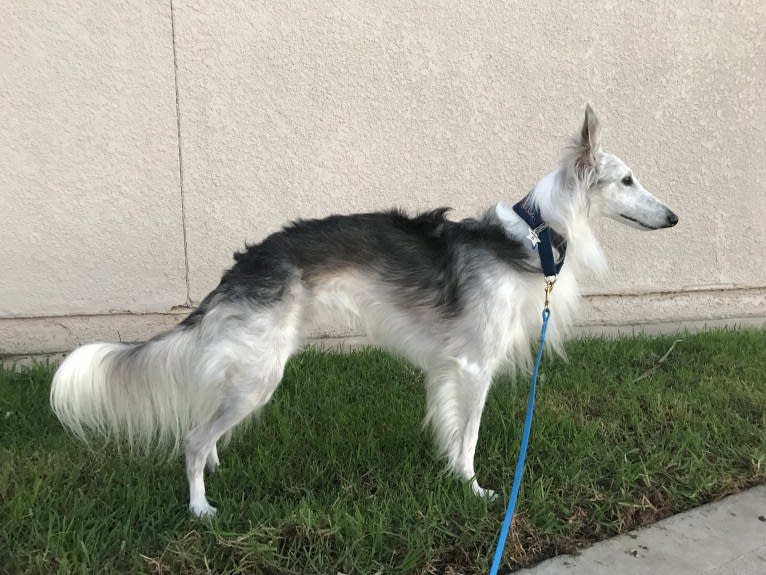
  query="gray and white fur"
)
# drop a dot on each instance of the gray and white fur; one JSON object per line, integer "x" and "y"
{"x": 460, "y": 300}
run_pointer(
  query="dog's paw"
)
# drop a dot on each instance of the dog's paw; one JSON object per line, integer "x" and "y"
{"x": 488, "y": 494}
{"x": 202, "y": 509}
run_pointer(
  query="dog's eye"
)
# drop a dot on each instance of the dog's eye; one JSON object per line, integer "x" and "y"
{"x": 627, "y": 181}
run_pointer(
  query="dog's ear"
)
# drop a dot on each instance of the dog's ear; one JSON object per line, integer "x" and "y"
{"x": 590, "y": 142}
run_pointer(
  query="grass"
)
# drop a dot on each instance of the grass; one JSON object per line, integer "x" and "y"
{"x": 337, "y": 476}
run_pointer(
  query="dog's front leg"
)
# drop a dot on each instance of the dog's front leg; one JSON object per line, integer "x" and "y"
{"x": 474, "y": 386}
{"x": 456, "y": 394}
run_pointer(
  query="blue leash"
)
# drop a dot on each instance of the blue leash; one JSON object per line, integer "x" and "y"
{"x": 524, "y": 443}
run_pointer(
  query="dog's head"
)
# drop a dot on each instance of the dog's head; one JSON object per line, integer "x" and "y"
{"x": 611, "y": 187}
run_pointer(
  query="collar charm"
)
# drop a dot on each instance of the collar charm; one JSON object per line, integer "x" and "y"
{"x": 534, "y": 238}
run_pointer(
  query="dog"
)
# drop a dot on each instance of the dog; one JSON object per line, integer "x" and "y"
{"x": 459, "y": 299}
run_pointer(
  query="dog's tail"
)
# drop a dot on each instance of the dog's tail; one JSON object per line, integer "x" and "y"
{"x": 146, "y": 393}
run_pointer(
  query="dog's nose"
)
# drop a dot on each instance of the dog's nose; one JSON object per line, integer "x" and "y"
{"x": 672, "y": 219}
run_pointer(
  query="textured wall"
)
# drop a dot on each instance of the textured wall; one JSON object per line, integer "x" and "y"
{"x": 90, "y": 218}
{"x": 307, "y": 108}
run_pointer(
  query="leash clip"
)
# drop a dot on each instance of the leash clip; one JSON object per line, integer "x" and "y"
{"x": 550, "y": 281}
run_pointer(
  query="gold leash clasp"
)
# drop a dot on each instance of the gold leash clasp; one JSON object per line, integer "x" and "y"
{"x": 549, "y": 283}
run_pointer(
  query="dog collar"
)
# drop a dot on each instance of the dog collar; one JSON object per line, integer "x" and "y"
{"x": 542, "y": 237}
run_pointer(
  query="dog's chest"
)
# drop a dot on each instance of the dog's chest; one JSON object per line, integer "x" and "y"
{"x": 510, "y": 313}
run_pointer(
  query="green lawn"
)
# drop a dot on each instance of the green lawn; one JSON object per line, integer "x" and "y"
{"x": 336, "y": 476}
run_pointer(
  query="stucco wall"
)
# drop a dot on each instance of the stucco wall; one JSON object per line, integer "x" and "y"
{"x": 142, "y": 142}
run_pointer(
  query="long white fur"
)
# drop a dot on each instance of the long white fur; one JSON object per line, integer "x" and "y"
{"x": 195, "y": 385}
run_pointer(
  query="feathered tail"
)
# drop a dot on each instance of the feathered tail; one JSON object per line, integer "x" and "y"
{"x": 146, "y": 393}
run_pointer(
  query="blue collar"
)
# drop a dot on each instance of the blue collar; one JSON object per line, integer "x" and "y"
{"x": 541, "y": 233}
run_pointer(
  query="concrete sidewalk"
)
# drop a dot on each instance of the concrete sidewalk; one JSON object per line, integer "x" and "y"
{"x": 723, "y": 538}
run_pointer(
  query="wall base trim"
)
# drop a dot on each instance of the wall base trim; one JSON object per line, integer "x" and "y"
{"x": 610, "y": 315}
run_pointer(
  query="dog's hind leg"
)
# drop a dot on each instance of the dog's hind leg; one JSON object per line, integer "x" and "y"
{"x": 251, "y": 361}
{"x": 244, "y": 395}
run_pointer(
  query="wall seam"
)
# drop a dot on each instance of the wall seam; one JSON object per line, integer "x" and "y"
{"x": 180, "y": 155}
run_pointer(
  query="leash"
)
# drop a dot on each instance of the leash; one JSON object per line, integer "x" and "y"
{"x": 540, "y": 234}
{"x": 524, "y": 437}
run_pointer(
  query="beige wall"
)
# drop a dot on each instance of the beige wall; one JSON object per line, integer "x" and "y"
{"x": 284, "y": 110}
